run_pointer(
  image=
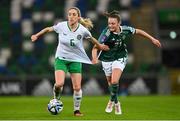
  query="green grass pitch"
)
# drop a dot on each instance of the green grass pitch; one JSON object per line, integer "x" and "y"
{"x": 133, "y": 107}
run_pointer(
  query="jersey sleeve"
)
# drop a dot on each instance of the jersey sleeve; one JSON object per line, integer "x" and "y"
{"x": 57, "y": 28}
{"x": 104, "y": 35}
{"x": 129, "y": 29}
{"x": 87, "y": 34}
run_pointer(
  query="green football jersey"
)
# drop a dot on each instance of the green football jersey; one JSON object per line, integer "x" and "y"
{"x": 116, "y": 43}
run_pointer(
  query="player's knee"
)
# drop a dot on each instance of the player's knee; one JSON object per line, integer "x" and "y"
{"x": 114, "y": 82}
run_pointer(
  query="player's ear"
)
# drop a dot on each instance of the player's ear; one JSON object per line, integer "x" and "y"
{"x": 79, "y": 18}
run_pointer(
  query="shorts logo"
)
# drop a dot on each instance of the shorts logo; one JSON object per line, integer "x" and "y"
{"x": 79, "y": 37}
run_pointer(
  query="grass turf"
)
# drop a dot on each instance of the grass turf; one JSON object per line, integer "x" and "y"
{"x": 133, "y": 107}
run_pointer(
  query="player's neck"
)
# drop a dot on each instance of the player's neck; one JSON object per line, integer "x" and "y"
{"x": 118, "y": 30}
{"x": 73, "y": 27}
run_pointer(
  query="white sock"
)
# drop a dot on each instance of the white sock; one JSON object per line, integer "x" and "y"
{"x": 77, "y": 96}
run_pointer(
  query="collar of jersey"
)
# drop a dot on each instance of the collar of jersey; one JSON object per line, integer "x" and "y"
{"x": 119, "y": 32}
{"x": 70, "y": 28}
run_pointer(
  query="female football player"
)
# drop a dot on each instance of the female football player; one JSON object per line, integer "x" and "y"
{"x": 114, "y": 60}
{"x": 70, "y": 52}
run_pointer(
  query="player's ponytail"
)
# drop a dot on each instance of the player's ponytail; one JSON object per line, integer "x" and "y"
{"x": 86, "y": 22}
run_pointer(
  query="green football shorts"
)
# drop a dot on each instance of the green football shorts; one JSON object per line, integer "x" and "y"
{"x": 68, "y": 66}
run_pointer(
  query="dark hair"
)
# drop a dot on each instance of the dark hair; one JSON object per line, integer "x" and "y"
{"x": 113, "y": 14}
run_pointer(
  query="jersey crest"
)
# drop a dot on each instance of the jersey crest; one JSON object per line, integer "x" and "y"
{"x": 79, "y": 37}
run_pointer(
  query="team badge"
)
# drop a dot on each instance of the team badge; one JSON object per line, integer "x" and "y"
{"x": 79, "y": 37}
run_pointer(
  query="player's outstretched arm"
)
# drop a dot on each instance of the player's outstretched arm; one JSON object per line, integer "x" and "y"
{"x": 98, "y": 45}
{"x": 145, "y": 34}
{"x": 34, "y": 37}
{"x": 94, "y": 55}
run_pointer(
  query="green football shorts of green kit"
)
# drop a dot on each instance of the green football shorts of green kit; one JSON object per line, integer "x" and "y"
{"x": 68, "y": 66}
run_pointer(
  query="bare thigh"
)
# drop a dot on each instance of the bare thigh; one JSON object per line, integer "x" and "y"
{"x": 59, "y": 78}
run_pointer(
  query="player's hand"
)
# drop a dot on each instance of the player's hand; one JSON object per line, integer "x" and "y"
{"x": 103, "y": 47}
{"x": 94, "y": 61}
{"x": 156, "y": 42}
{"x": 34, "y": 38}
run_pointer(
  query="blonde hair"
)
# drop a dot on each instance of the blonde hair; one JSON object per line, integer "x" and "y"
{"x": 86, "y": 22}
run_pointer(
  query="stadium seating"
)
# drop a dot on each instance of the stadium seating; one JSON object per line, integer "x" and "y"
{"x": 25, "y": 17}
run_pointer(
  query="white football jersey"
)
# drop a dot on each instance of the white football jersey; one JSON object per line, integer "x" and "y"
{"x": 70, "y": 46}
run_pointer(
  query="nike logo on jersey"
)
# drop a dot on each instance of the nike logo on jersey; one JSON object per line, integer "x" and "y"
{"x": 64, "y": 34}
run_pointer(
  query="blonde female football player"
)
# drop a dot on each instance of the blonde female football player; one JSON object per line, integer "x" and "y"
{"x": 70, "y": 52}
{"x": 114, "y": 60}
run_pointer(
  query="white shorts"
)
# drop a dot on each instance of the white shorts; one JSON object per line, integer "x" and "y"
{"x": 109, "y": 66}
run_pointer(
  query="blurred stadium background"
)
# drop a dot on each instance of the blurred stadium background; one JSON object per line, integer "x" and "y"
{"x": 26, "y": 68}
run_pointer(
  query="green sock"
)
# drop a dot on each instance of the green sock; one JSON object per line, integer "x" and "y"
{"x": 114, "y": 92}
{"x": 110, "y": 90}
